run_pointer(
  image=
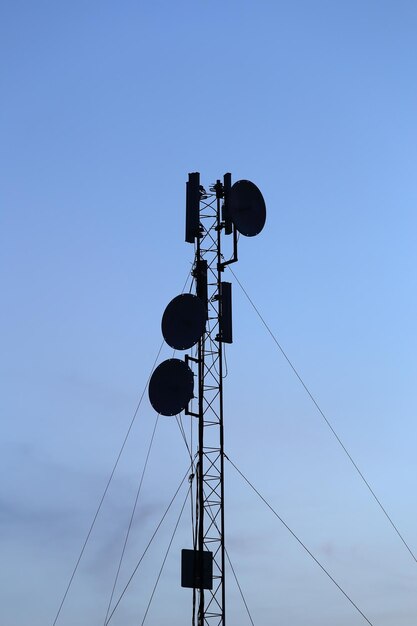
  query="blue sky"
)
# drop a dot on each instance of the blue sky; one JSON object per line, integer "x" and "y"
{"x": 106, "y": 107}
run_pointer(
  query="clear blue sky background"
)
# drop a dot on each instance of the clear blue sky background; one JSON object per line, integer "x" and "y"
{"x": 105, "y": 108}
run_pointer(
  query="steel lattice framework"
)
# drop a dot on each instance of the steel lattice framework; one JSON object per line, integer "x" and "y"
{"x": 210, "y": 482}
{"x": 205, "y": 320}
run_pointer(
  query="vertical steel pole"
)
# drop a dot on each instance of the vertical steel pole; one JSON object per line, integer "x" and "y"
{"x": 221, "y": 436}
{"x": 200, "y": 472}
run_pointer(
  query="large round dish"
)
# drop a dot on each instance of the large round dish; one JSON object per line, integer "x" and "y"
{"x": 247, "y": 208}
{"x": 183, "y": 321}
{"x": 171, "y": 387}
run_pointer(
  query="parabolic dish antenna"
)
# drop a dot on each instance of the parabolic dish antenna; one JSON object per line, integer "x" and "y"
{"x": 247, "y": 208}
{"x": 171, "y": 387}
{"x": 184, "y": 321}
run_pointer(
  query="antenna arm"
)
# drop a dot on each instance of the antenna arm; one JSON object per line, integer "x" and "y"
{"x": 234, "y": 258}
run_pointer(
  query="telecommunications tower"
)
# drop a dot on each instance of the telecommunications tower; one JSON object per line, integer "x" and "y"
{"x": 204, "y": 320}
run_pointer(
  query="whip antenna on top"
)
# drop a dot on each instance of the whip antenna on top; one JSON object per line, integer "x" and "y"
{"x": 204, "y": 319}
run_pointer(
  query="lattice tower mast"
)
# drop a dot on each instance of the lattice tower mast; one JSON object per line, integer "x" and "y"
{"x": 205, "y": 320}
{"x": 210, "y": 471}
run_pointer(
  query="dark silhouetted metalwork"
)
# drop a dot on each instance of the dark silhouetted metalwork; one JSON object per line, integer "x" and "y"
{"x": 192, "y": 207}
{"x": 226, "y": 334}
{"x": 184, "y": 321}
{"x": 246, "y": 207}
{"x": 171, "y": 387}
{"x": 200, "y": 274}
{"x": 191, "y": 569}
{"x": 206, "y": 320}
{"x": 227, "y": 220}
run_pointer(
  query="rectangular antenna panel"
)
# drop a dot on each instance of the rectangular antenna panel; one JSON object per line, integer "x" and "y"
{"x": 226, "y": 334}
{"x": 201, "y": 280}
{"x": 191, "y": 569}
{"x": 227, "y": 184}
{"x": 192, "y": 210}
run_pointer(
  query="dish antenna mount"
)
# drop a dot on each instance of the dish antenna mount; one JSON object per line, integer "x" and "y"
{"x": 204, "y": 320}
